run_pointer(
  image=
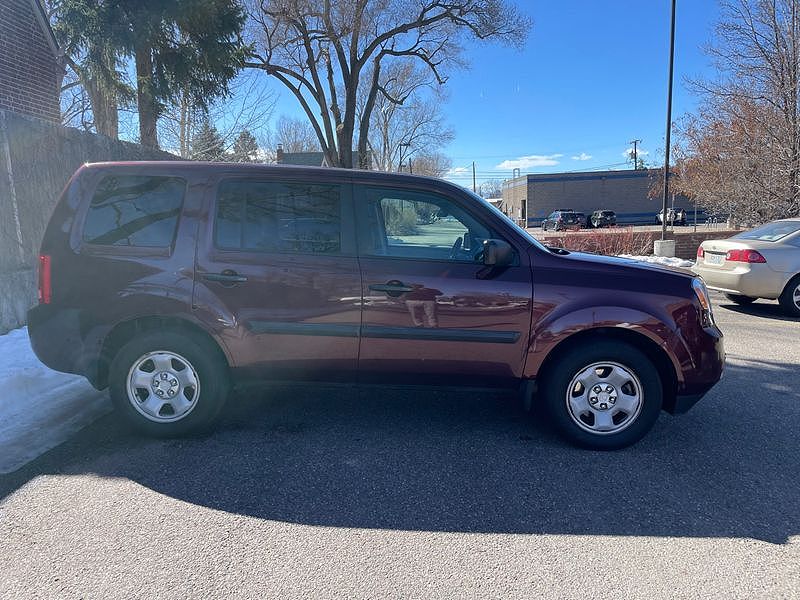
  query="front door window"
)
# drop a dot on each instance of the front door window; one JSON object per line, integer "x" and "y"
{"x": 432, "y": 310}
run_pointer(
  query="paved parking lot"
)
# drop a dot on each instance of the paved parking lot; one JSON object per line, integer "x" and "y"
{"x": 337, "y": 492}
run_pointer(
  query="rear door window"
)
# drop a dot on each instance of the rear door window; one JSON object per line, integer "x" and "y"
{"x": 134, "y": 210}
{"x": 278, "y": 217}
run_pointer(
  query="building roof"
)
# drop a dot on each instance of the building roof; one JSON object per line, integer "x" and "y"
{"x": 306, "y": 159}
{"x": 44, "y": 23}
{"x": 311, "y": 159}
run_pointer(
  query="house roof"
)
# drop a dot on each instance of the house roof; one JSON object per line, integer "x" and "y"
{"x": 44, "y": 23}
{"x": 313, "y": 159}
{"x": 306, "y": 159}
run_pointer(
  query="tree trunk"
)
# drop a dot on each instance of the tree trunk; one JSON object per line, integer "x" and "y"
{"x": 104, "y": 108}
{"x": 145, "y": 99}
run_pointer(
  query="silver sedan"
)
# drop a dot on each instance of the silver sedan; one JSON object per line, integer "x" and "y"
{"x": 761, "y": 263}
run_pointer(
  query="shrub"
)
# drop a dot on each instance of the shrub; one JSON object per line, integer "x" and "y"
{"x": 612, "y": 242}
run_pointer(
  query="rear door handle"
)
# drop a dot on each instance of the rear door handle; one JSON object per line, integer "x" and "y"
{"x": 392, "y": 288}
{"x": 227, "y": 277}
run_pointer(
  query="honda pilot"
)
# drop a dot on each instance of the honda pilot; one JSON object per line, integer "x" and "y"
{"x": 168, "y": 282}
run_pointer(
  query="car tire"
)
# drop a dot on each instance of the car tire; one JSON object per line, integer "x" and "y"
{"x": 790, "y": 297}
{"x": 603, "y": 395}
{"x": 188, "y": 372}
{"x": 739, "y": 299}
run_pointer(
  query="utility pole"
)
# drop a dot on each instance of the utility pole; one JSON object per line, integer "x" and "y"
{"x": 474, "y": 187}
{"x": 669, "y": 126}
{"x": 401, "y": 146}
{"x": 635, "y": 153}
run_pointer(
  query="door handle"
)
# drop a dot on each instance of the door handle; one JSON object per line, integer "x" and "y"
{"x": 392, "y": 288}
{"x": 228, "y": 277}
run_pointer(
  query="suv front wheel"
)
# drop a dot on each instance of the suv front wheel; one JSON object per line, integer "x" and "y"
{"x": 603, "y": 395}
{"x": 169, "y": 383}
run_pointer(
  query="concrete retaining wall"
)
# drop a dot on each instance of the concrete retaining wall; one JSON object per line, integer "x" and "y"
{"x": 37, "y": 159}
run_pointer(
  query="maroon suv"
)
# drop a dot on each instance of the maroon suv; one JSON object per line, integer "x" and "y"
{"x": 168, "y": 281}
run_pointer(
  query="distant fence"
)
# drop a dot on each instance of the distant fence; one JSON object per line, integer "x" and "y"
{"x": 36, "y": 161}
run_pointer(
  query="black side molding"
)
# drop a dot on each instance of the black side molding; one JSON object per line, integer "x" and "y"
{"x": 441, "y": 335}
{"x": 392, "y": 333}
{"x": 323, "y": 329}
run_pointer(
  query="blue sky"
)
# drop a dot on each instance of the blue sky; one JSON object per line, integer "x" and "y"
{"x": 592, "y": 77}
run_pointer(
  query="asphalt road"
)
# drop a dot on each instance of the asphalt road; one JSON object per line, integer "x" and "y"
{"x": 335, "y": 492}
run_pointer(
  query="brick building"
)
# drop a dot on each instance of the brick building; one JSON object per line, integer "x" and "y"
{"x": 30, "y": 61}
{"x": 625, "y": 192}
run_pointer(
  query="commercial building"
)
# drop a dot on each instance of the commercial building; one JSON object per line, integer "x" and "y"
{"x": 624, "y": 192}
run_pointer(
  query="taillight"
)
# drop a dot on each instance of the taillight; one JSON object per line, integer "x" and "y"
{"x": 700, "y": 252}
{"x": 745, "y": 255}
{"x": 45, "y": 281}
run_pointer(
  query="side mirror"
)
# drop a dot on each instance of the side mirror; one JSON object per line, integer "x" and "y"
{"x": 497, "y": 253}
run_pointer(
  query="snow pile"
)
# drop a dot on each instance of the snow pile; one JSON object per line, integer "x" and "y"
{"x": 39, "y": 408}
{"x": 670, "y": 261}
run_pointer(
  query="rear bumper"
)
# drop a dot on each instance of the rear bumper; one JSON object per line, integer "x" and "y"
{"x": 57, "y": 340}
{"x": 758, "y": 281}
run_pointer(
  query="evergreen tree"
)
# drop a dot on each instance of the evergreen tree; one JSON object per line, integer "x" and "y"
{"x": 180, "y": 46}
{"x": 245, "y": 148}
{"x": 208, "y": 143}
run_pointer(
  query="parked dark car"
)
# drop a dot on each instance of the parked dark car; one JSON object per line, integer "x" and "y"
{"x": 602, "y": 218}
{"x": 170, "y": 281}
{"x": 563, "y": 218}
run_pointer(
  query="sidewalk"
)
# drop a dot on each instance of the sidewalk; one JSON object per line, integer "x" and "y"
{"x": 39, "y": 408}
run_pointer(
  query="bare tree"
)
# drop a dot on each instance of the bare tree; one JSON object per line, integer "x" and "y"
{"x": 740, "y": 153}
{"x": 321, "y": 49}
{"x": 407, "y": 118}
{"x": 433, "y": 164}
{"x": 249, "y": 107}
{"x": 491, "y": 188}
{"x": 294, "y": 135}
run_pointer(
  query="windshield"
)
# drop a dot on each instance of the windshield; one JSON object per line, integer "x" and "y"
{"x": 508, "y": 219}
{"x": 771, "y": 232}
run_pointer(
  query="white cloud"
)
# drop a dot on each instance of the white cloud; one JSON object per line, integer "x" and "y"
{"x": 640, "y": 151}
{"x": 458, "y": 170}
{"x": 582, "y": 156}
{"x": 528, "y": 162}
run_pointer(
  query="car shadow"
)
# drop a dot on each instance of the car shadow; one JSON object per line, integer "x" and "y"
{"x": 470, "y": 462}
{"x": 759, "y": 308}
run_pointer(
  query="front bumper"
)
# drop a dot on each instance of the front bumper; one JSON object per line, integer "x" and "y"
{"x": 701, "y": 373}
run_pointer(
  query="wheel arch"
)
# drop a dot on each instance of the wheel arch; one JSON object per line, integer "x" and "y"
{"x": 129, "y": 329}
{"x": 664, "y": 365}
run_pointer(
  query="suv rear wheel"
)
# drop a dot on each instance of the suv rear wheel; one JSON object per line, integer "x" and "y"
{"x": 603, "y": 395}
{"x": 169, "y": 383}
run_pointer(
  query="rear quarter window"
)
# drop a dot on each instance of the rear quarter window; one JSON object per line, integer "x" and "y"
{"x": 134, "y": 210}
